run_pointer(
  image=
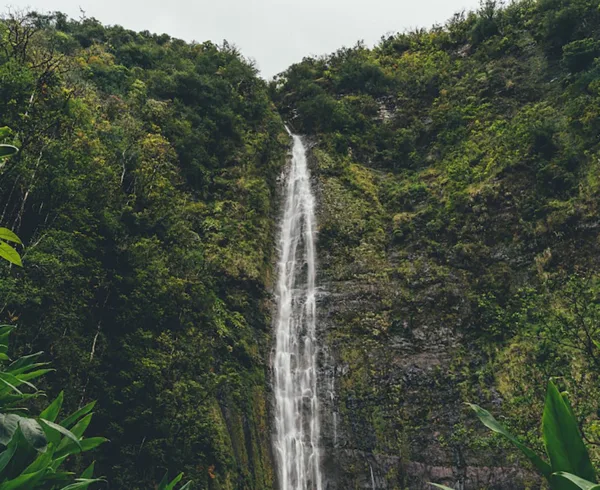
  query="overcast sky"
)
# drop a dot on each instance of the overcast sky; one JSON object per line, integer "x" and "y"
{"x": 274, "y": 33}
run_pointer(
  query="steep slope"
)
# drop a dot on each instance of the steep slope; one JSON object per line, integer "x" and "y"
{"x": 458, "y": 236}
{"x": 146, "y": 194}
{"x": 456, "y": 172}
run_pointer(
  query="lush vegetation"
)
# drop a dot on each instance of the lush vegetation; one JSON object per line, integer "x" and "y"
{"x": 458, "y": 175}
{"x": 457, "y": 178}
{"x": 36, "y": 447}
{"x": 568, "y": 456}
{"x": 569, "y": 466}
{"x": 145, "y": 191}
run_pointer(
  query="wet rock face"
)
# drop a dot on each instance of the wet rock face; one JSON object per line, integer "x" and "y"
{"x": 389, "y": 325}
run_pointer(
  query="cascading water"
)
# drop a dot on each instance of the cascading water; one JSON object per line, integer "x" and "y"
{"x": 333, "y": 411}
{"x": 372, "y": 477}
{"x": 295, "y": 363}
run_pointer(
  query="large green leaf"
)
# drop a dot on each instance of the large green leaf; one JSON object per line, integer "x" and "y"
{"x": 10, "y": 254}
{"x": 51, "y": 426}
{"x": 9, "y": 423}
{"x": 84, "y": 445}
{"x": 33, "y": 433}
{"x": 173, "y": 482}
{"x": 89, "y": 471}
{"x": 490, "y": 422}
{"x": 74, "y": 417}
{"x": 79, "y": 428}
{"x": 562, "y": 439}
{"x": 26, "y": 363}
{"x": 9, "y": 400}
{"x": 164, "y": 482}
{"x": 34, "y": 374}
{"x": 9, "y": 236}
{"x": 580, "y": 482}
{"x": 9, "y": 452}
{"x": 7, "y": 150}
{"x": 81, "y": 483}
{"x": 59, "y": 476}
{"x": 51, "y": 412}
{"x": 24, "y": 482}
{"x": 16, "y": 380}
{"x": 5, "y": 331}
{"x": 30, "y": 429}
{"x": 42, "y": 462}
{"x": 92, "y": 443}
{"x": 8, "y": 384}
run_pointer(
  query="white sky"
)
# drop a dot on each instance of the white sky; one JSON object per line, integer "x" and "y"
{"x": 274, "y": 33}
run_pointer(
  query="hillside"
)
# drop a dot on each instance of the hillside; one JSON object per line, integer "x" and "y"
{"x": 145, "y": 192}
{"x": 456, "y": 173}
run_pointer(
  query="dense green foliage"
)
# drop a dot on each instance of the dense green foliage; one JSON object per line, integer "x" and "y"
{"x": 35, "y": 448}
{"x": 145, "y": 192}
{"x": 457, "y": 179}
{"x": 458, "y": 176}
{"x": 569, "y": 466}
{"x": 564, "y": 447}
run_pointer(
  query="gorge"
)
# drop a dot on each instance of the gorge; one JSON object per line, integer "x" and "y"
{"x": 317, "y": 320}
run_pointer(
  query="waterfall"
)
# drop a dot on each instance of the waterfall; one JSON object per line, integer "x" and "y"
{"x": 333, "y": 411}
{"x": 295, "y": 362}
{"x": 372, "y": 477}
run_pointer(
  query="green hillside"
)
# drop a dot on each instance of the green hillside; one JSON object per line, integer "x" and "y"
{"x": 457, "y": 176}
{"x": 145, "y": 192}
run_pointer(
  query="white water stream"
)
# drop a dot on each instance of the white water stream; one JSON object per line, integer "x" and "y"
{"x": 297, "y": 427}
{"x": 372, "y": 477}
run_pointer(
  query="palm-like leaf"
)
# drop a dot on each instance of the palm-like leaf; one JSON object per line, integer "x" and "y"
{"x": 562, "y": 439}
{"x": 489, "y": 421}
{"x": 579, "y": 482}
{"x": 38, "y": 446}
{"x": 7, "y": 150}
{"x": 165, "y": 484}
